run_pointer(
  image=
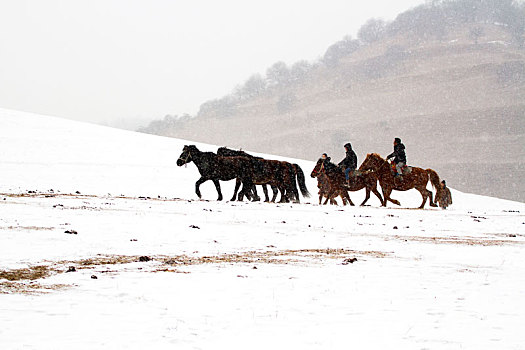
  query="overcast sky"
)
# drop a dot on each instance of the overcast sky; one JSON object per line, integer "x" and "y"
{"x": 104, "y": 60}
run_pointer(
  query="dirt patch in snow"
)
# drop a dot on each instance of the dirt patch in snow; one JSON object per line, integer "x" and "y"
{"x": 30, "y": 273}
{"x": 26, "y": 228}
{"x": 474, "y": 241}
{"x": 31, "y": 288}
{"x": 271, "y": 257}
{"x": 23, "y": 280}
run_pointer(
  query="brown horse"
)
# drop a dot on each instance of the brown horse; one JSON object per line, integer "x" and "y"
{"x": 417, "y": 178}
{"x": 364, "y": 179}
{"x": 324, "y": 190}
{"x": 335, "y": 180}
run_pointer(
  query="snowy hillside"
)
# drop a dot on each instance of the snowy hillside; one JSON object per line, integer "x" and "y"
{"x": 152, "y": 267}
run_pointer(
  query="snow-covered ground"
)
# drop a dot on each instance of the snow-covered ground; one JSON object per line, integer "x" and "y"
{"x": 229, "y": 274}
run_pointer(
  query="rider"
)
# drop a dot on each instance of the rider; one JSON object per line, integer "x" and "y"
{"x": 350, "y": 161}
{"x": 400, "y": 158}
{"x": 326, "y": 160}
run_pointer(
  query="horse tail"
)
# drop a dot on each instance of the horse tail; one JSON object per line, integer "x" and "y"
{"x": 301, "y": 180}
{"x": 434, "y": 179}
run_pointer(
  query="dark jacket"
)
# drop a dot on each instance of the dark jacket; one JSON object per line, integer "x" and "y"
{"x": 350, "y": 160}
{"x": 399, "y": 154}
{"x": 328, "y": 165}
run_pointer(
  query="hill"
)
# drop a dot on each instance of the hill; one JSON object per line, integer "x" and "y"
{"x": 103, "y": 245}
{"x": 452, "y": 88}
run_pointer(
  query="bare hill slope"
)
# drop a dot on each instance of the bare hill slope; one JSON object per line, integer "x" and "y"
{"x": 457, "y": 103}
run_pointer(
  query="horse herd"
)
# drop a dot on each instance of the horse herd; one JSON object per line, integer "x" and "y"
{"x": 283, "y": 177}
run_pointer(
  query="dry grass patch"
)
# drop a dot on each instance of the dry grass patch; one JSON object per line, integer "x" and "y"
{"x": 288, "y": 256}
{"x": 17, "y": 280}
{"x": 26, "y": 228}
{"x": 23, "y": 280}
{"x": 473, "y": 241}
{"x": 29, "y": 288}
{"x": 30, "y": 273}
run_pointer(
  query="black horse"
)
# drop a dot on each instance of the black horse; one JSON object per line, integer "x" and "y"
{"x": 215, "y": 168}
{"x": 278, "y": 174}
{"x": 226, "y": 152}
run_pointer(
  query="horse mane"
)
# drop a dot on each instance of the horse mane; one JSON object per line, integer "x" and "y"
{"x": 375, "y": 155}
{"x": 224, "y": 151}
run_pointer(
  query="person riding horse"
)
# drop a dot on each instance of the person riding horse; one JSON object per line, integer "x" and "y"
{"x": 349, "y": 163}
{"x": 327, "y": 162}
{"x": 400, "y": 158}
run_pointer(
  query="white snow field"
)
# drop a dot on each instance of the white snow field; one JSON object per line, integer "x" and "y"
{"x": 232, "y": 275}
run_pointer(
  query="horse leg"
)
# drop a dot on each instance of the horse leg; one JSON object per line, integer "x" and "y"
{"x": 343, "y": 199}
{"x": 378, "y": 195}
{"x": 265, "y": 190}
{"x": 347, "y": 196}
{"x": 367, "y": 196}
{"x": 284, "y": 199}
{"x": 328, "y": 198}
{"x": 256, "y": 197}
{"x": 386, "y": 193}
{"x": 218, "y": 187}
{"x": 237, "y": 185}
{"x": 198, "y": 184}
{"x": 247, "y": 187}
{"x": 295, "y": 193}
{"x": 424, "y": 194}
{"x": 432, "y": 204}
{"x": 275, "y": 192}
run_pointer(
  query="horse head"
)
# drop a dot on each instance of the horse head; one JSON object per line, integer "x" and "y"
{"x": 318, "y": 168}
{"x": 372, "y": 162}
{"x": 186, "y": 155}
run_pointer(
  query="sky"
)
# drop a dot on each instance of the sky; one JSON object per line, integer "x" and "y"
{"x": 105, "y": 61}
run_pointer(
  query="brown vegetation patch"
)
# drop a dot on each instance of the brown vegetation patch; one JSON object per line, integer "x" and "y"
{"x": 288, "y": 256}
{"x": 28, "y": 228}
{"x": 473, "y": 241}
{"x": 28, "y": 288}
{"x": 23, "y": 280}
{"x": 30, "y": 273}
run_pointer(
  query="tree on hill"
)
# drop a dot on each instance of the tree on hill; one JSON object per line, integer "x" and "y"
{"x": 339, "y": 50}
{"x": 278, "y": 74}
{"x": 254, "y": 86}
{"x": 371, "y": 31}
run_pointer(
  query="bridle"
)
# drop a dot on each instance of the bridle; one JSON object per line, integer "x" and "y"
{"x": 320, "y": 170}
{"x": 187, "y": 158}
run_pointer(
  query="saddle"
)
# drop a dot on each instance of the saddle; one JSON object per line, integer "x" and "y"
{"x": 405, "y": 169}
{"x": 356, "y": 173}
